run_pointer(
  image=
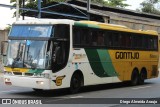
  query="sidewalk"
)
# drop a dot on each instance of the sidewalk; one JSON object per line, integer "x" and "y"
{"x": 1, "y": 76}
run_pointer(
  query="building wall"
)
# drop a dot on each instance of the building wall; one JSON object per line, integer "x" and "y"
{"x": 136, "y": 25}
{"x": 133, "y": 22}
{"x": 3, "y": 37}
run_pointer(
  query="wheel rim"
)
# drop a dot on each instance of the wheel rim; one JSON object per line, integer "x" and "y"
{"x": 134, "y": 78}
{"x": 142, "y": 76}
{"x": 75, "y": 84}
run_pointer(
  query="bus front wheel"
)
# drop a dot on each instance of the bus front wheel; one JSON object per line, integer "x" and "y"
{"x": 75, "y": 84}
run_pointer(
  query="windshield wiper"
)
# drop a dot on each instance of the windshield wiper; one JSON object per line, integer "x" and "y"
{"x": 16, "y": 61}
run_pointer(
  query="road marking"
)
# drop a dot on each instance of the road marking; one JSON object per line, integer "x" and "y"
{"x": 141, "y": 87}
{"x": 58, "y": 99}
{"x": 77, "y": 97}
{"x": 64, "y": 98}
{"x": 9, "y": 91}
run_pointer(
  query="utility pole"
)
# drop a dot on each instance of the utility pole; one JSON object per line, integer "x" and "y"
{"x": 88, "y": 8}
{"x": 39, "y": 8}
{"x": 17, "y": 10}
{"x": 23, "y": 3}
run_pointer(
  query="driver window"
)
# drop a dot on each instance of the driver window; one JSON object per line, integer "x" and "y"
{"x": 48, "y": 54}
{"x": 59, "y": 53}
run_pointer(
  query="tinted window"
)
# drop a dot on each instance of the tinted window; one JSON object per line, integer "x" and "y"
{"x": 95, "y": 38}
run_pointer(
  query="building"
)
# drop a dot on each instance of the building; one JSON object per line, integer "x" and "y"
{"x": 77, "y": 10}
{"x": 3, "y": 37}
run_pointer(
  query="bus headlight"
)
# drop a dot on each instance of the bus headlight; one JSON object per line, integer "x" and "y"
{"x": 7, "y": 80}
{"x": 40, "y": 82}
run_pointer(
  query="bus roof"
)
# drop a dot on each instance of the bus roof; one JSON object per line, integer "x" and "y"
{"x": 92, "y": 24}
{"x": 122, "y": 28}
{"x": 45, "y": 21}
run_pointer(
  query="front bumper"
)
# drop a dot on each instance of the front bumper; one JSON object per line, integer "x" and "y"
{"x": 31, "y": 82}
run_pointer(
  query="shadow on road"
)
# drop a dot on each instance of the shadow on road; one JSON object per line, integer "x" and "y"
{"x": 63, "y": 92}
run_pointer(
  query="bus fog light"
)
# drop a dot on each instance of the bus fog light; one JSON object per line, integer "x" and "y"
{"x": 7, "y": 79}
{"x": 40, "y": 82}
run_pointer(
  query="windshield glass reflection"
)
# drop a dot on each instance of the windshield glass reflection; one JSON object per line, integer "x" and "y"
{"x": 26, "y": 53}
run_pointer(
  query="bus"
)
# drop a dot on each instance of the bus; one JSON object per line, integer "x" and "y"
{"x": 46, "y": 54}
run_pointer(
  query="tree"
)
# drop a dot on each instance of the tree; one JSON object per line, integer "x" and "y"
{"x": 150, "y": 6}
{"x": 117, "y": 3}
{"x": 99, "y": 2}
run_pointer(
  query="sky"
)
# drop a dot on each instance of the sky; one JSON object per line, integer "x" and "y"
{"x": 7, "y": 14}
{"x": 134, "y": 4}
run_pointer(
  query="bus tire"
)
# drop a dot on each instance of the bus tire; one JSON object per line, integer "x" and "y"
{"x": 76, "y": 83}
{"x": 37, "y": 90}
{"x": 134, "y": 77}
{"x": 142, "y": 77}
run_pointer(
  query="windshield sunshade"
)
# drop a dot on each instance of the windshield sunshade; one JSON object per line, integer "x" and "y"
{"x": 31, "y": 31}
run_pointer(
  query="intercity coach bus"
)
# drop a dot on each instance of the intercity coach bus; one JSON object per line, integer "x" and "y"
{"x": 60, "y": 53}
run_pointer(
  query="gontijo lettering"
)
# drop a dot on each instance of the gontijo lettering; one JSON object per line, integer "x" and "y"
{"x": 127, "y": 55}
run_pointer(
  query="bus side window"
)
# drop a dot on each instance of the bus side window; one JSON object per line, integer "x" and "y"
{"x": 115, "y": 40}
{"x": 76, "y": 36}
{"x": 84, "y": 37}
{"x": 151, "y": 41}
{"x": 94, "y": 38}
{"x": 61, "y": 31}
{"x": 108, "y": 39}
{"x": 134, "y": 41}
{"x": 145, "y": 44}
{"x": 155, "y": 43}
{"x": 100, "y": 39}
{"x": 128, "y": 41}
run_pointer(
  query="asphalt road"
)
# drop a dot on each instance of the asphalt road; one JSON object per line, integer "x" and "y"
{"x": 91, "y": 96}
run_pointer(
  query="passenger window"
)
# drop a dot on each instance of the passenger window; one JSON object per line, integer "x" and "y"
{"x": 100, "y": 40}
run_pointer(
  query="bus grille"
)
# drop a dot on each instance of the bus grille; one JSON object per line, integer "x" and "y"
{"x": 25, "y": 74}
{"x": 17, "y": 73}
{"x": 29, "y": 74}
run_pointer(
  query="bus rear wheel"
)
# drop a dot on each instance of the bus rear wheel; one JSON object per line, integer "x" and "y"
{"x": 142, "y": 77}
{"x": 76, "y": 83}
{"x": 134, "y": 77}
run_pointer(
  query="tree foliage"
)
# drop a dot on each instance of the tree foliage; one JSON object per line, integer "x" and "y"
{"x": 112, "y": 3}
{"x": 33, "y": 3}
{"x": 150, "y": 6}
{"x": 117, "y": 3}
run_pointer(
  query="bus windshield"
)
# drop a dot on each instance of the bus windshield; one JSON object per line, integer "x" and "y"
{"x": 26, "y": 53}
{"x": 38, "y": 47}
